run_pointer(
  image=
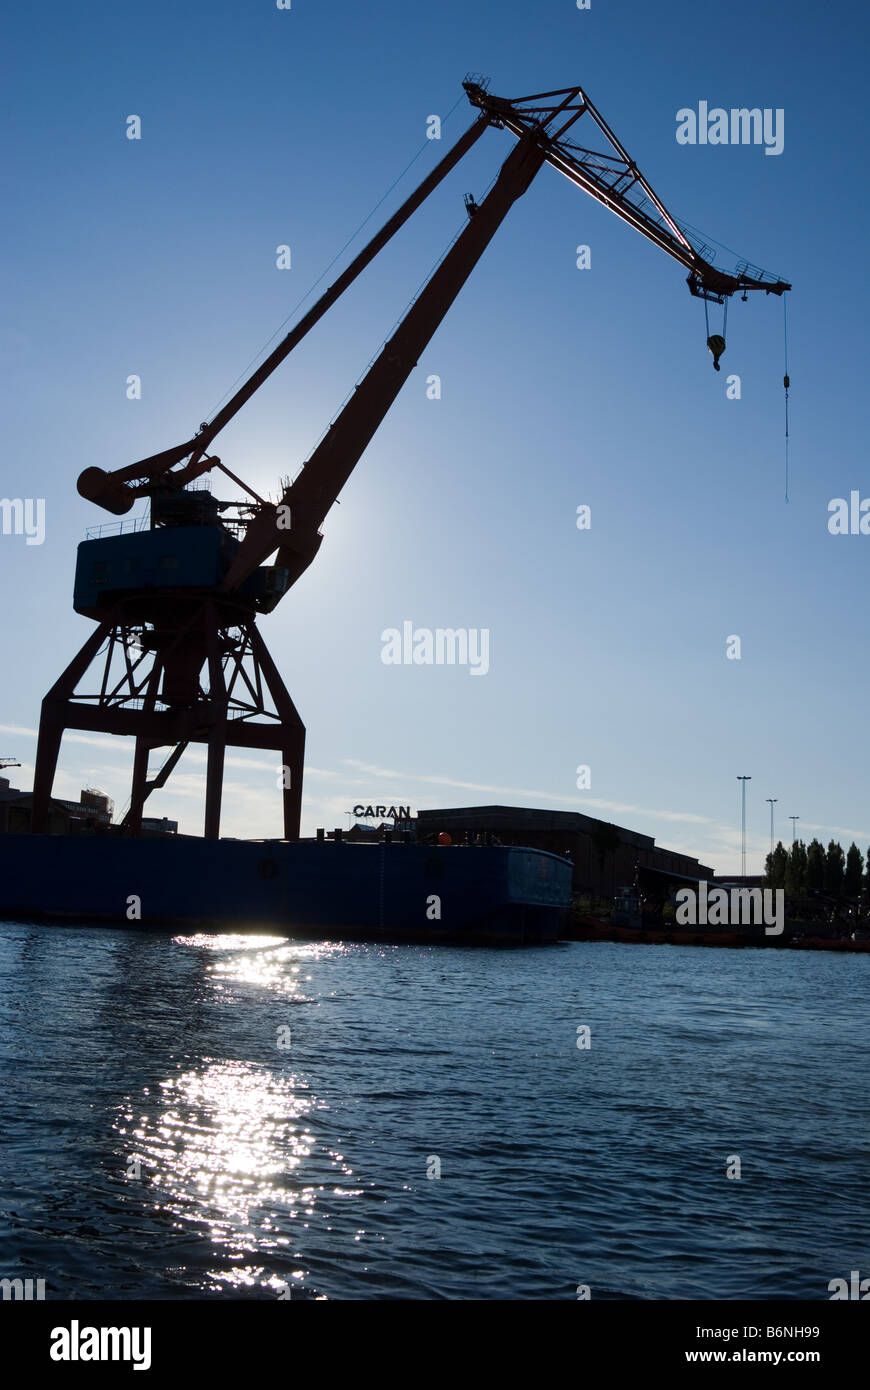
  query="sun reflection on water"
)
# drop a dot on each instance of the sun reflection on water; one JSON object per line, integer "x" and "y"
{"x": 225, "y": 1145}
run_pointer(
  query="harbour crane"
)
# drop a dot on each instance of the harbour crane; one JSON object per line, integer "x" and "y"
{"x": 176, "y": 654}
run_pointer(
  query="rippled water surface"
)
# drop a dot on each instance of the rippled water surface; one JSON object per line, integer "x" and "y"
{"x": 271, "y": 1161}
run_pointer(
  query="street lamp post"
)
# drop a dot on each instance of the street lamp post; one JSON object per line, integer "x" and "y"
{"x": 773, "y": 800}
{"x": 743, "y": 781}
{"x": 793, "y": 827}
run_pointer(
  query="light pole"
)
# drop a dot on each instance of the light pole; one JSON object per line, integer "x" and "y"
{"x": 743, "y": 781}
{"x": 793, "y": 828}
{"x": 773, "y": 800}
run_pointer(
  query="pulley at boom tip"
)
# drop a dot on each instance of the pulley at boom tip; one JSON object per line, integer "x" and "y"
{"x": 612, "y": 177}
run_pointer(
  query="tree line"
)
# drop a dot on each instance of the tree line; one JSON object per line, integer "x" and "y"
{"x": 812, "y": 868}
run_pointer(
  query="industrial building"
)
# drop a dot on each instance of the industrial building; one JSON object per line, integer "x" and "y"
{"x": 90, "y": 815}
{"x": 92, "y": 812}
{"x": 605, "y": 856}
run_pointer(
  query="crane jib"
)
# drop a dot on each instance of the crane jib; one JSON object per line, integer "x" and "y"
{"x": 541, "y": 121}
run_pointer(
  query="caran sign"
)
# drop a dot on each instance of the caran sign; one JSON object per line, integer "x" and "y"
{"x": 397, "y": 812}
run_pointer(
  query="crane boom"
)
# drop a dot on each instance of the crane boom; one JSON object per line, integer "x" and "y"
{"x": 611, "y": 179}
{"x": 540, "y": 123}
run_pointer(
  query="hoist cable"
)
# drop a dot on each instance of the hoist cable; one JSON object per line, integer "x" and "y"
{"x": 425, "y": 146}
{"x": 785, "y": 382}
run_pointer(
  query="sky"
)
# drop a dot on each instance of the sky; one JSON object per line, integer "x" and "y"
{"x": 560, "y": 387}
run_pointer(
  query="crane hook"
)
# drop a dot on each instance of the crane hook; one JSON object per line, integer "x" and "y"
{"x": 716, "y": 344}
{"x": 716, "y": 341}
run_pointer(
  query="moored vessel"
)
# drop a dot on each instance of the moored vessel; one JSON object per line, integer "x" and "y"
{"x": 484, "y": 894}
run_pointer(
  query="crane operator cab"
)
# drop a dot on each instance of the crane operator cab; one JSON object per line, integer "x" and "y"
{"x": 186, "y": 550}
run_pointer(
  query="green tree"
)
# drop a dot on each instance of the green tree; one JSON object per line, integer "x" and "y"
{"x": 796, "y": 868}
{"x": 816, "y": 865}
{"x": 854, "y": 871}
{"x": 775, "y": 867}
{"x": 835, "y": 869}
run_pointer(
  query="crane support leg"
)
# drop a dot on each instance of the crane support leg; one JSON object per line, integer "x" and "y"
{"x": 158, "y": 781}
{"x": 47, "y": 753}
{"x": 217, "y": 740}
{"x": 242, "y": 704}
{"x": 293, "y": 745}
{"x": 140, "y": 786}
{"x": 138, "y": 790}
{"x": 214, "y": 783}
{"x": 52, "y": 723}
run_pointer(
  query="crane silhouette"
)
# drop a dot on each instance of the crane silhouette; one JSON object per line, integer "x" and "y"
{"x": 177, "y": 657}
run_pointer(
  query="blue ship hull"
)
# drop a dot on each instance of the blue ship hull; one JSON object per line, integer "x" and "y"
{"x": 414, "y": 892}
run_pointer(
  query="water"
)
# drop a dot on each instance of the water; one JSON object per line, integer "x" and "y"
{"x": 266, "y": 1169}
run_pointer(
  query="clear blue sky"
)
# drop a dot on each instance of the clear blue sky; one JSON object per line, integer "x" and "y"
{"x": 560, "y": 387}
